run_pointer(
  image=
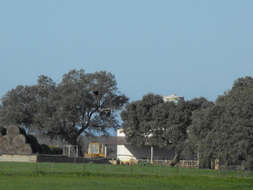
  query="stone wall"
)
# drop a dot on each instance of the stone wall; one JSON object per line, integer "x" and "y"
{"x": 18, "y": 158}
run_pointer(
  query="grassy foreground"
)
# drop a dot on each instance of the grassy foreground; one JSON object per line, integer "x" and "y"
{"x": 51, "y": 176}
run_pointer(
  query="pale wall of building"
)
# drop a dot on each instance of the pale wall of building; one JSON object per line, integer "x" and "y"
{"x": 126, "y": 152}
{"x": 123, "y": 153}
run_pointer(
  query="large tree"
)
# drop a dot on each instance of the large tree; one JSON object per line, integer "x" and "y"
{"x": 225, "y": 131}
{"x": 82, "y": 103}
{"x": 138, "y": 119}
{"x": 172, "y": 121}
{"x": 164, "y": 124}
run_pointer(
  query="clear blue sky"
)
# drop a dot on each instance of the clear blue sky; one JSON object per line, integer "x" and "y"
{"x": 191, "y": 48}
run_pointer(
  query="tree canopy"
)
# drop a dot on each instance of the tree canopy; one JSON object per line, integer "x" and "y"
{"x": 151, "y": 121}
{"x": 82, "y": 103}
{"x": 225, "y": 130}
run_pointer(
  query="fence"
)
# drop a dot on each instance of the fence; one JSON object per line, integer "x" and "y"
{"x": 189, "y": 163}
{"x": 129, "y": 160}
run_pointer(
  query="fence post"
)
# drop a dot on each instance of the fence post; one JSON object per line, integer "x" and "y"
{"x": 152, "y": 154}
{"x": 105, "y": 151}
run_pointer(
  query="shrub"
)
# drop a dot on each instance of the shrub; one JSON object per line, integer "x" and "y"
{"x": 55, "y": 150}
{"x": 44, "y": 149}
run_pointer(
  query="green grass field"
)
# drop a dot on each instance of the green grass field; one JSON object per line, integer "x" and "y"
{"x": 51, "y": 176}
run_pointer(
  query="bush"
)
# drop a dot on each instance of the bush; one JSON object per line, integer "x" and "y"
{"x": 249, "y": 163}
{"x": 55, "y": 150}
{"x": 34, "y": 143}
{"x": 45, "y": 149}
{"x": 3, "y": 131}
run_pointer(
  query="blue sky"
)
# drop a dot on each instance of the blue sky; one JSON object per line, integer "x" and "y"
{"x": 191, "y": 48}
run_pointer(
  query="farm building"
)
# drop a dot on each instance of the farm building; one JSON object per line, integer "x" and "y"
{"x": 117, "y": 147}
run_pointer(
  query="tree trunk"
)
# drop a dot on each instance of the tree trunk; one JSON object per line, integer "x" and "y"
{"x": 79, "y": 144}
{"x": 175, "y": 159}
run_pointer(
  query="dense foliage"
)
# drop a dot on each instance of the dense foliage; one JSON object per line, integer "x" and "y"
{"x": 151, "y": 121}
{"x": 213, "y": 131}
{"x": 225, "y": 130}
{"x": 82, "y": 103}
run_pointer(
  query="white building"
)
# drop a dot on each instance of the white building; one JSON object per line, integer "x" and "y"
{"x": 127, "y": 152}
{"x": 118, "y": 147}
{"x": 123, "y": 153}
{"x": 172, "y": 98}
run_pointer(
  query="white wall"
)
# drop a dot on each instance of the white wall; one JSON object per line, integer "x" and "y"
{"x": 127, "y": 152}
{"x": 18, "y": 158}
{"x": 123, "y": 154}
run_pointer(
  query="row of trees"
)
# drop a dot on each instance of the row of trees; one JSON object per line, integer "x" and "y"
{"x": 89, "y": 103}
{"x": 214, "y": 130}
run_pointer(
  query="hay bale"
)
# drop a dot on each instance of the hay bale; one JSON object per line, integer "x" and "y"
{"x": 4, "y": 141}
{"x": 8, "y": 139}
{"x": 24, "y": 149}
{"x": 14, "y": 142}
{"x": 13, "y": 131}
{"x": 11, "y": 149}
{"x": 18, "y": 141}
{"x": 20, "y": 150}
{"x": 27, "y": 149}
{"x": 3, "y": 149}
